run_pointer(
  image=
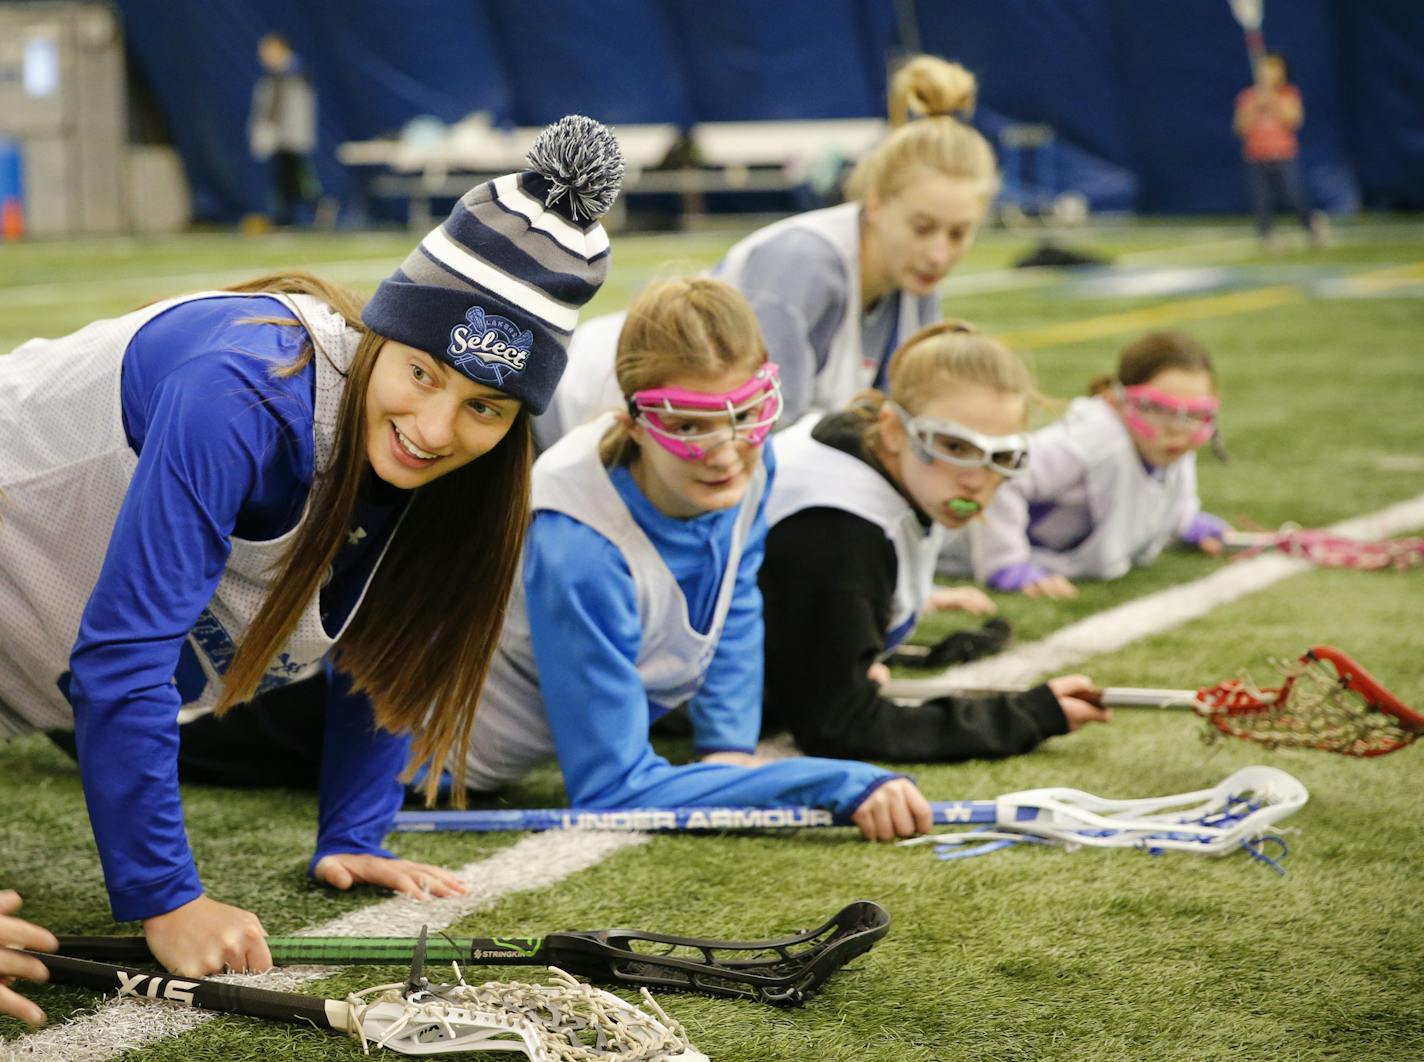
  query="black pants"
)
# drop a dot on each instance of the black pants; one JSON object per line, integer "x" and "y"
{"x": 1275, "y": 184}
{"x": 271, "y": 741}
{"x": 293, "y": 183}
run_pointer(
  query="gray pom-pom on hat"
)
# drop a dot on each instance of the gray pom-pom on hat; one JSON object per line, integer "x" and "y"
{"x": 582, "y": 161}
{"x": 495, "y": 291}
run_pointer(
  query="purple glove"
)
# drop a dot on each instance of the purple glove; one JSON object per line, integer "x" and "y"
{"x": 1017, "y": 576}
{"x": 1203, "y": 525}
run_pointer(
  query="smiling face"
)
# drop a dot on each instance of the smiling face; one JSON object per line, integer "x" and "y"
{"x": 716, "y": 480}
{"x": 912, "y": 239}
{"x": 951, "y": 495}
{"x": 424, "y": 419}
{"x": 1171, "y": 435}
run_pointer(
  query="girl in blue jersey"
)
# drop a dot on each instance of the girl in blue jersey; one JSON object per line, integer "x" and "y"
{"x": 837, "y": 290}
{"x": 639, "y": 591}
{"x": 1113, "y": 482}
{"x": 864, "y": 502}
{"x": 223, "y": 493}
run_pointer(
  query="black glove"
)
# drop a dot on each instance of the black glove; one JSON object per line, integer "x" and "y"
{"x": 958, "y": 647}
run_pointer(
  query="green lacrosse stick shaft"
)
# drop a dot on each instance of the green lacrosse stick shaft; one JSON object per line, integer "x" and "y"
{"x": 344, "y": 951}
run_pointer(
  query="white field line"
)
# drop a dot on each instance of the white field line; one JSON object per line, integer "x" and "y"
{"x": 120, "y": 1025}
{"x": 350, "y": 271}
{"x": 1111, "y": 629}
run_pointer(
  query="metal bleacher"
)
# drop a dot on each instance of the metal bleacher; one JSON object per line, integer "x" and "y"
{"x": 768, "y": 156}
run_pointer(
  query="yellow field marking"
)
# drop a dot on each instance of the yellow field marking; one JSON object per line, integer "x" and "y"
{"x": 1153, "y": 317}
{"x": 1197, "y": 309}
{"x": 1381, "y": 280}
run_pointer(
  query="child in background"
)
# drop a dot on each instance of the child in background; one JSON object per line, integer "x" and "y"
{"x": 1268, "y": 118}
{"x": 1114, "y": 481}
{"x": 224, "y": 493}
{"x": 639, "y": 591}
{"x": 863, "y": 503}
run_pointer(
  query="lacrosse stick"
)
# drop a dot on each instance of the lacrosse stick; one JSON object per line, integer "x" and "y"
{"x": 1211, "y": 821}
{"x": 1235, "y": 813}
{"x": 1325, "y": 701}
{"x": 565, "y": 1020}
{"x": 1329, "y": 550}
{"x": 1249, "y": 15}
{"x": 783, "y": 971}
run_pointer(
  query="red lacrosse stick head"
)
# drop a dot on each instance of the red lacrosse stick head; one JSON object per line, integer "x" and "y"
{"x": 1268, "y": 714}
{"x": 1356, "y": 678}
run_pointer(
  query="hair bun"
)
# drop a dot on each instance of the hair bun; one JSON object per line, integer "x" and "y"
{"x": 927, "y": 86}
{"x": 581, "y": 160}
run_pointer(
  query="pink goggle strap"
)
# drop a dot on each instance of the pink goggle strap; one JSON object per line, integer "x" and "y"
{"x": 765, "y": 377}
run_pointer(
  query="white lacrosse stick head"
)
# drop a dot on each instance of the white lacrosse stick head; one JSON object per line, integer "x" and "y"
{"x": 545, "y": 1023}
{"x": 1233, "y": 814}
{"x": 1211, "y": 821}
{"x": 1248, "y": 13}
{"x": 414, "y": 1028}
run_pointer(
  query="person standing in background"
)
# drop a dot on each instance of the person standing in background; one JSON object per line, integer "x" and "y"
{"x": 281, "y": 129}
{"x": 1268, "y": 117}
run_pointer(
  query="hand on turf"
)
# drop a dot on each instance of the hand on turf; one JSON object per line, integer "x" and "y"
{"x": 968, "y": 599}
{"x": 894, "y": 809}
{"x": 205, "y": 936}
{"x": 1054, "y": 586}
{"x": 17, "y": 933}
{"x": 735, "y": 759}
{"x": 416, "y": 880}
{"x": 878, "y": 673}
{"x": 1080, "y": 700}
{"x": 1212, "y": 547}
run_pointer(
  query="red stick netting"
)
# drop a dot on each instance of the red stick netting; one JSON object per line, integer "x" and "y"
{"x": 1337, "y": 708}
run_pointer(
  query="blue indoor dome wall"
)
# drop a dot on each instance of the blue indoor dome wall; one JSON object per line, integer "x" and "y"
{"x": 1139, "y": 94}
{"x": 1384, "y": 46}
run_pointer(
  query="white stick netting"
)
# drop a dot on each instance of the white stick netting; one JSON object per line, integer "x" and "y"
{"x": 564, "y": 1021}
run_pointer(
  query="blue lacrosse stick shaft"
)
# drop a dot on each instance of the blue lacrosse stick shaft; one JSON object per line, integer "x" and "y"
{"x": 656, "y": 820}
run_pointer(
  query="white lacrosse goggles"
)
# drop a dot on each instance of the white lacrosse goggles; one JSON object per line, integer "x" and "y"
{"x": 933, "y": 439}
{"x": 691, "y": 424}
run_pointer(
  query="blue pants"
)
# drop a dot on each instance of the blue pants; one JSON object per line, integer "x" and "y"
{"x": 1273, "y": 184}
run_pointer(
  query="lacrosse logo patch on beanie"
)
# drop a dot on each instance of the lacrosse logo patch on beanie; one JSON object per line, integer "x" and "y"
{"x": 495, "y": 291}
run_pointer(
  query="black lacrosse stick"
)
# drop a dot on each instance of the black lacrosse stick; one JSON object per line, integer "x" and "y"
{"x": 785, "y": 971}
{"x": 957, "y": 647}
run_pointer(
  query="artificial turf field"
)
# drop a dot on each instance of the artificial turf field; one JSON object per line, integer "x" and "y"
{"x": 1024, "y": 954}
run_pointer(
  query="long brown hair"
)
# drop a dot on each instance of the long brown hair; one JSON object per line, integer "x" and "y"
{"x": 691, "y": 325}
{"x": 420, "y": 643}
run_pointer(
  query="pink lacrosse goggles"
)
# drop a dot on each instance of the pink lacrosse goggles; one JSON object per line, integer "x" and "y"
{"x": 690, "y": 424}
{"x": 1149, "y": 412}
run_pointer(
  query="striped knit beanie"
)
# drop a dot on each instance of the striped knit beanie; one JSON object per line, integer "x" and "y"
{"x": 495, "y": 291}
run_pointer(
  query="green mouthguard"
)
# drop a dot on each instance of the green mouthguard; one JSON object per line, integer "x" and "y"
{"x": 962, "y": 506}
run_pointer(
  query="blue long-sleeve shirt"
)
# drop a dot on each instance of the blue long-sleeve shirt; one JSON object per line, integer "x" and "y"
{"x": 224, "y": 449}
{"x": 586, "y": 633}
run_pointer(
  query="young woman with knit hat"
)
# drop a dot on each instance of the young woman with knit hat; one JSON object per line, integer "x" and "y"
{"x": 223, "y": 493}
{"x": 836, "y": 290}
{"x": 639, "y": 589}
